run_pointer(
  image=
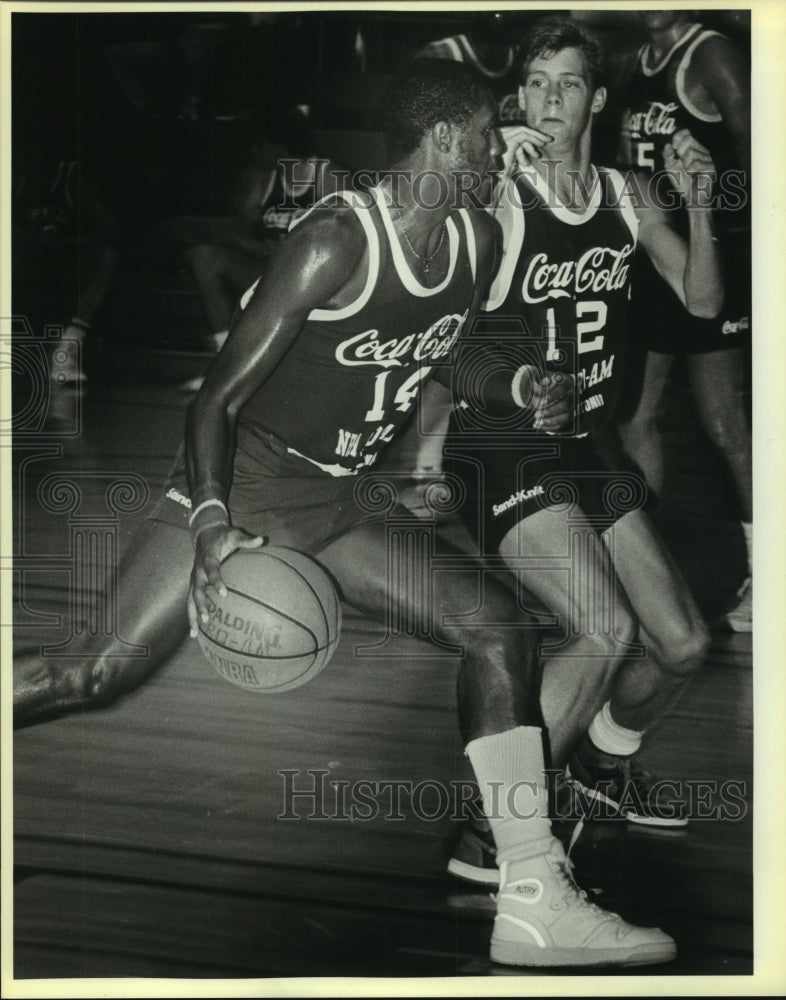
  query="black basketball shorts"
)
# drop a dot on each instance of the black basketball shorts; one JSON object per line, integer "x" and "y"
{"x": 503, "y": 485}
{"x": 283, "y": 497}
{"x": 659, "y": 322}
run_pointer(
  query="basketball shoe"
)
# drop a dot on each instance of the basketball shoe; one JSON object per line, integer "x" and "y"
{"x": 544, "y": 919}
{"x": 474, "y": 857}
{"x": 614, "y": 787}
{"x": 740, "y": 618}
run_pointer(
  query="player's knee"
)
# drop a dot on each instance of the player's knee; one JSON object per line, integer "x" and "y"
{"x": 608, "y": 646}
{"x": 684, "y": 647}
{"x": 640, "y": 427}
{"x": 727, "y": 431}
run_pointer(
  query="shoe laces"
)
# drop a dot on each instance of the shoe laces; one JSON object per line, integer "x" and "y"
{"x": 572, "y": 891}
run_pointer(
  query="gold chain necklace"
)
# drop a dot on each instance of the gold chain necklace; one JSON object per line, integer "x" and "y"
{"x": 425, "y": 260}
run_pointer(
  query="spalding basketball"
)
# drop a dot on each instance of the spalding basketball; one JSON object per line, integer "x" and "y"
{"x": 279, "y": 624}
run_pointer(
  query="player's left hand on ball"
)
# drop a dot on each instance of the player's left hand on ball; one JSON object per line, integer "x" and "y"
{"x": 556, "y": 404}
{"x": 213, "y": 546}
{"x": 692, "y": 169}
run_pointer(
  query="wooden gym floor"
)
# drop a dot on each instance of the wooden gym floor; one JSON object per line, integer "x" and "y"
{"x": 148, "y": 840}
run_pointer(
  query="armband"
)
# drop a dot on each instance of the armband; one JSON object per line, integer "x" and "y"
{"x": 213, "y": 502}
{"x": 516, "y": 385}
{"x": 209, "y": 514}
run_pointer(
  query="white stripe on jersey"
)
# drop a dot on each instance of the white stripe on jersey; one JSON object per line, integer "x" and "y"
{"x": 646, "y": 50}
{"x": 332, "y": 470}
{"x": 557, "y": 208}
{"x": 511, "y": 219}
{"x": 625, "y": 203}
{"x": 453, "y": 47}
{"x": 408, "y": 279}
{"x": 361, "y": 210}
{"x": 359, "y": 204}
{"x": 682, "y": 70}
{"x": 472, "y": 249}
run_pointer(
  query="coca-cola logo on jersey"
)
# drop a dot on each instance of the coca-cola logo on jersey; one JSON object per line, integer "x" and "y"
{"x": 368, "y": 348}
{"x": 599, "y": 269}
{"x": 658, "y": 119}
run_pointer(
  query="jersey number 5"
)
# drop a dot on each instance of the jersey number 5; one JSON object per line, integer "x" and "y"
{"x": 645, "y": 155}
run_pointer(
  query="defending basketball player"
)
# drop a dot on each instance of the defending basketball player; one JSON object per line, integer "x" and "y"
{"x": 570, "y": 231}
{"x": 302, "y": 398}
{"x": 688, "y": 77}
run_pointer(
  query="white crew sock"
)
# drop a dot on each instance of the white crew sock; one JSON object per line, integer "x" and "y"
{"x": 510, "y": 769}
{"x": 609, "y": 737}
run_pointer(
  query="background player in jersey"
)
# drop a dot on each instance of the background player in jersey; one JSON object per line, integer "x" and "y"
{"x": 558, "y": 311}
{"x": 490, "y": 45}
{"x": 301, "y": 399}
{"x": 269, "y": 194}
{"x": 687, "y": 77}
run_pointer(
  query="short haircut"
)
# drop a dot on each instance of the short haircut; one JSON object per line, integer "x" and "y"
{"x": 428, "y": 91}
{"x": 552, "y": 35}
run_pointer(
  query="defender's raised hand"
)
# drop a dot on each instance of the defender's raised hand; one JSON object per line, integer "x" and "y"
{"x": 692, "y": 169}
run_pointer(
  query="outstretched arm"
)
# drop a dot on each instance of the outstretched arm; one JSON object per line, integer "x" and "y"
{"x": 693, "y": 269}
{"x": 308, "y": 271}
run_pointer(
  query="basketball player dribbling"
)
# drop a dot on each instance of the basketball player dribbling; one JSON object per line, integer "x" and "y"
{"x": 688, "y": 77}
{"x": 570, "y": 231}
{"x": 300, "y": 401}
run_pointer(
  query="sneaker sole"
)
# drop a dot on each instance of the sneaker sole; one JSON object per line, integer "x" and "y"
{"x": 518, "y": 953}
{"x": 471, "y": 873}
{"x": 662, "y": 824}
{"x": 652, "y": 821}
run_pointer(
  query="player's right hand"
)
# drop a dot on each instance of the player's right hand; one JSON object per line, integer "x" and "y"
{"x": 691, "y": 167}
{"x": 523, "y": 146}
{"x": 213, "y": 546}
{"x": 554, "y": 398}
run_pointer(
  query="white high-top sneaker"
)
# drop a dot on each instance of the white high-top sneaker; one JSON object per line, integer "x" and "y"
{"x": 544, "y": 919}
{"x": 740, "y": 618}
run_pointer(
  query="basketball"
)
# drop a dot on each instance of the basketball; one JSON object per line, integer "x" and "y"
{"x": 279, "y": 624}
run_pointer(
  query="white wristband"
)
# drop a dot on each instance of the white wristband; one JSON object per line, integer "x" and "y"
{"x": 515, "y": 386}
{"x": 208, "y": 503}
